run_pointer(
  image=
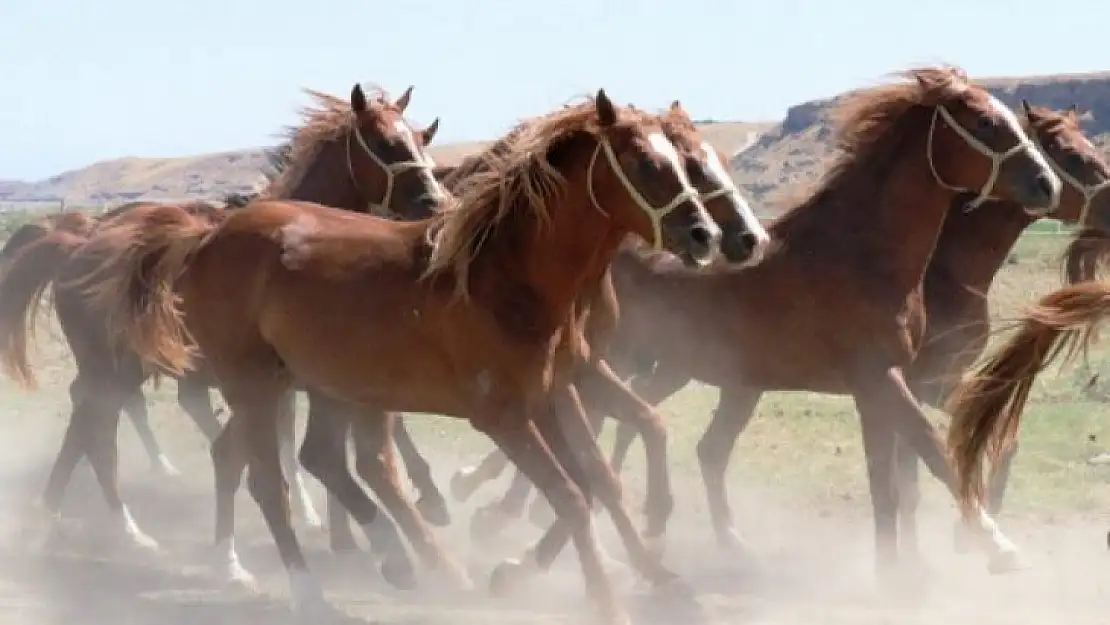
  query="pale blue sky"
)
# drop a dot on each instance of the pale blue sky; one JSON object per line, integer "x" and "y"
{"x": 85, "y": 80}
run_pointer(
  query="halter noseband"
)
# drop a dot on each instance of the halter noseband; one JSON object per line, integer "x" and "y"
{"x": 654, "y": 213}
{"x": 997, "y": 158}
{"x": 391, "y": 171}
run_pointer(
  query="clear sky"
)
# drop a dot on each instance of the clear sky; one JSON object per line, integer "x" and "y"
{"x": 85, "y": 80}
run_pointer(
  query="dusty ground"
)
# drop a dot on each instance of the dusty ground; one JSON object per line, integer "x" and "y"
{"x": 814, "y": 565}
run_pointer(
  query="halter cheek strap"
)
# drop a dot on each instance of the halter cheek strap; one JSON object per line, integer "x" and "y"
{"x": 391, "y": 171}
{"x": 1089, "y": 192}
{"x": 655, "y": 214}
{"x": 997, "y": 158}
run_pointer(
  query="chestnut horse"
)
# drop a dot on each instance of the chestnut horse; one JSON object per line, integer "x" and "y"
{"x": 908, "y": 150}
{"x": 476, "y": 311}
{"x": 354, "y": 155}
{"x": 743, "y": 243}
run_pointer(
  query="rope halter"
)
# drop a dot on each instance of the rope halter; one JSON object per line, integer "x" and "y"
{"x": 391, "y": 171}
{"x": 997, "y": 158}
{"x": 655, "y": 214}
{"x": 1089, "y": 192}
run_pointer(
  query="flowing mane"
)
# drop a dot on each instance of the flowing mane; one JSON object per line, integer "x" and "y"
{"x": 871, "y": 124}
{"x": 330, "y": 119}
{"x": 518, "y": 177}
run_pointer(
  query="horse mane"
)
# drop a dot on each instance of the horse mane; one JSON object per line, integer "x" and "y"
{"x": 868, "y": 126}
{"x": 516, "y": 177}
{"x": 330, "y": 119}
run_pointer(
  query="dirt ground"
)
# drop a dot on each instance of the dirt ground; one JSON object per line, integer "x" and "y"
{"x": 813, "y": 566}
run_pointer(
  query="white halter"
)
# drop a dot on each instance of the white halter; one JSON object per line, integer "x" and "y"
{"x": 1089, "y": 192}
{"x": 997, "y": 158}
{"x": 655, "y": 214}
{"x": 391, "y": 171}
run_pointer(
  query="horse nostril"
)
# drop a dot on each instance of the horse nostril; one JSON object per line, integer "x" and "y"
{"x": 1044, "y": 185}
{"x": 748, "y": 240}
{"x": 701, "y": 235}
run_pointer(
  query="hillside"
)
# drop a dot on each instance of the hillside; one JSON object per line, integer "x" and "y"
{"x": 786, "y": 155}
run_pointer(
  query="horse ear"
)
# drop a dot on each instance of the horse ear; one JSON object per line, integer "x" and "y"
{"x": 403, "y": 102}
{"x": 358, "y": 99}
{"x": 676, "y": 106}
{"x": 430, "y": 132}
{"x": 1025, "y": 106}
{"x": 606, "y": 112}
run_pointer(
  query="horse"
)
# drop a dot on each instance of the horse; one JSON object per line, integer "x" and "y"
{"x": 476, "y": 311}
{"x": 743, "y": 243}
{"x": 839, "y": 314}
{"x": 359, "y": 154}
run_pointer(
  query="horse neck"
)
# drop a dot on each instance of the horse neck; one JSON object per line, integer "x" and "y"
{"x": 328, "y": 181}
{"x": 557, "y": 262}
{"x": 885, "y": 216}
{"x": 973, "y": 246}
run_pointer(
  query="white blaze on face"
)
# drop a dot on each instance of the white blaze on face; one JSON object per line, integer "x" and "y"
{"x": 403, "y": 131}
{"x": 721, "y": 176}
{"x": 1012, "y": 123}
{"x": 663, "y": 146}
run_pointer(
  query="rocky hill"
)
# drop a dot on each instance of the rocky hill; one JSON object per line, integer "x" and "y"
{"x": 768, "y": 158}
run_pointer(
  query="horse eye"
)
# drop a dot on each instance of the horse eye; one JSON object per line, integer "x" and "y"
{"x": 1074, "y": 162}
{"x": 985, "y": 124}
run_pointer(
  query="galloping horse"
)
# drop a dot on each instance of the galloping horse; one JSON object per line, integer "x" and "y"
{"x": 743, "y": 243}
{"x": 838, "y": 314}
{"x": 352, "y": 155}
{"x": 474, "y": 313}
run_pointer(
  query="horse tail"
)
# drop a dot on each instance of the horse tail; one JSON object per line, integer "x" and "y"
{"x": 986, "y": 408}
{"x": 138, "y": 259}
{"x": 30, "y": 266}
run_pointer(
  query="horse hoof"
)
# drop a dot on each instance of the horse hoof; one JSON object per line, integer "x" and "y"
{"x": 143, "y": 543}
{"x": 399, "y": 572}
{"x": 461, "y": 490}
{"x": 342, "y": 547}
{"x": 674, "y": 588}
{"x": 162, "y": 467}
{"x": 434, "y": 510}
{"x": 487, "y": 522}
{"x": 1007, "y": 562}
{"x": 317, "y": 610}
{"x": 735, "y": 545}
{"x": 507, "y": 577}
{"x": 540, "y": 514}
{"x": 237, "y": 576}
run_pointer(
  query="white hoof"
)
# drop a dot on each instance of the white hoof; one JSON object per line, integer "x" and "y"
{"x": 1008, "y": 561}
{"x": 162, "y": 467}
{"x": 135, "y": 535}
{"x": 230, "y": 569}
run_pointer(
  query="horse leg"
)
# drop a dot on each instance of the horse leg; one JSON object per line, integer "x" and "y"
{"x": 887, "y": 392}
{"x": 377, "y": 465}
{"x": 466, "y": 480}
{"x": 521, "y": 442}
{"x": 999, "y": 479}
{"x": 195, "y": 399}
{"x": 734, "y": 411}
{"x": 101, "y": 407}
{"x": 324, "y": 455}
{"x": 879, "y": 441}
{"x": 488, "y": 520}
{"x": 229, "y": 460}
{"x": 908, "y": 497}
{"x": 70, "y": 454}
{"x": 431, "y": 502}
{"x": 136, "y": 410}
{"x": 600, "y": 386}
{"x": 287, "y": 446}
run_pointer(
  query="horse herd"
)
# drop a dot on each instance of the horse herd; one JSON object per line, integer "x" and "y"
{"x": 515, "y": 291}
